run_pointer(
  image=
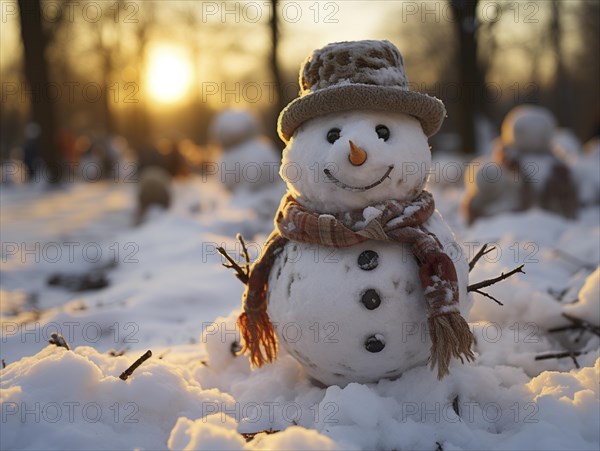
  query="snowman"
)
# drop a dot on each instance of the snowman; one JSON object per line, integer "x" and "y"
{"x": 248, "y": 160}
{"x": 361, "y": 279}
{"x": 523, "y": 171}
{"x": 248, "y": 163}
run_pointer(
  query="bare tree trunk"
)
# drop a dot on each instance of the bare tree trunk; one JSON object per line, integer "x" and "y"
{"x": 470, "y": 76}
{"x": 35, "y": 43}
{"x": 106, "y": 52}
{"x": 107, "y": 114}
{"x": 562, "y": 90}
{"x": 142, "y": 127}
{"x": 275, "y": 70}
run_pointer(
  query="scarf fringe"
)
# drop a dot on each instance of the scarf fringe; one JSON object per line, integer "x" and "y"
{"x": 450, "y": 337}
{"x": 259, "y": 337}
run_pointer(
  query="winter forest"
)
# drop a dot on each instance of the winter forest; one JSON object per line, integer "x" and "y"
{"x": 293, "y": 225}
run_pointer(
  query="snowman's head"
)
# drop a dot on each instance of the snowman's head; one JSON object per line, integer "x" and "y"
{"x": 343, "y": 161}
{"x": 232, "y": 127}
{"x": 528, "y": 129}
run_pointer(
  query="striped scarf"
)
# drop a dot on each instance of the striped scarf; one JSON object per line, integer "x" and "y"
{"x": 393, "y": 220}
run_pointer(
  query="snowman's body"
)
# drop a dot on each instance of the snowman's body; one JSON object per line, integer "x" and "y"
{"x": 333, "y": 309}
{"x": 356, "y": 314}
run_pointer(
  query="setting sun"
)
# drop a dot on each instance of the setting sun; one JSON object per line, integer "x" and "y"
{"x": 168, "y": 74}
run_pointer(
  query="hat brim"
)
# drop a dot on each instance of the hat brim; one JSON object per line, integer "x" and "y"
{"x": 430, "y": 111}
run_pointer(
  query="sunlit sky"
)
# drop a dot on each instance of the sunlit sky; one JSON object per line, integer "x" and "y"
{"x": 172, "y": 67}
{"x": 169, "y": 73}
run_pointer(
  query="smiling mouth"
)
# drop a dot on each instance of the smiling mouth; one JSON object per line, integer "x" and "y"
{"x": 342, "y": 185}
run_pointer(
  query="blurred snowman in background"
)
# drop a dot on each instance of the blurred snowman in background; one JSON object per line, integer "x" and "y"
{"x": 248, "y": 162}
{"x": 523, "y": 171}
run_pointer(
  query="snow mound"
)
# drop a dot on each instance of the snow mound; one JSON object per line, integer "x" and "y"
{"x": 213, "y": 432}
{"x": 178, "y": 300}
{"x": 59, "y": 399}
{"x": 588, "y": 305}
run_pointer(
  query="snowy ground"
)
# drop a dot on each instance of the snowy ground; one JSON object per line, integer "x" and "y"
{"x": 167, "y": 291}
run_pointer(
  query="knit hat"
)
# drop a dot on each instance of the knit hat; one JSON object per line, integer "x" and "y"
{"x": 366, "y": 75}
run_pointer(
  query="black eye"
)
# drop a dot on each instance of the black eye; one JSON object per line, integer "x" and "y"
{"x": 333, "y": 135}
{"x": 383, "y": 132}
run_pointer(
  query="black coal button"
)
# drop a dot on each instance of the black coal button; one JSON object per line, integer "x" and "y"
{"x": 371, "y": 299}
{"x": 368, "y": 260}
{"x": 374, "y": 343}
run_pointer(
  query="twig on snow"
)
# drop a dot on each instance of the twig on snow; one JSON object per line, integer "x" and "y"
{"x": 162, "y": 356}
{"x": 574, "y": 260}
{"x": 558, "y": 295}
{"x": 456, "y": 405}
{"x": 59, "y": 340}
{"x": 129, "y": 371}
{"x": 250, "y": 435}
{"x": 561, "y": 355}
{"x": 577, "y": 323}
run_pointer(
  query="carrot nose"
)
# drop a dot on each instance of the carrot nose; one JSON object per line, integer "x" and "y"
{"x": 357, "y": 155}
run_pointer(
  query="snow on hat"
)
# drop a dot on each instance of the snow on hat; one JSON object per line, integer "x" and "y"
{"x": 528, "y": 128}
{"x": 346, "y": 76}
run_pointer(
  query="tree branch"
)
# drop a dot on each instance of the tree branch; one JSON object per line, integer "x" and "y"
{"x": 242, "y": 273}
{"x": 480, "y": 253}
{"x": 490, "y": 282}
{"x": 483, "y": 293}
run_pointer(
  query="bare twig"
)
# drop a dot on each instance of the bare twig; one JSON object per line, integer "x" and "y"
{"x": 129, "y": 371}
{"x": 456, "y": 405}
{"x": 162, "y": 356}
{"x": 242, "y": 273}
{"x": 574, "y": 260}
{"x": 490, "y": 282}
{"x": 583, "y": 324}
{"x": 250, "y": 435}
{"x": 561, "y": 355}
{"x": 480, "y": 253}
{"x": 557, "y": 355}
{"x": 558, "y": 295}
{"x": 487, "y": 295}
{"x": 59, "y": 340}
{"x": 575, "y": 361}
{"x": 244, "y": 249}
{"x": 577, "y": 323}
